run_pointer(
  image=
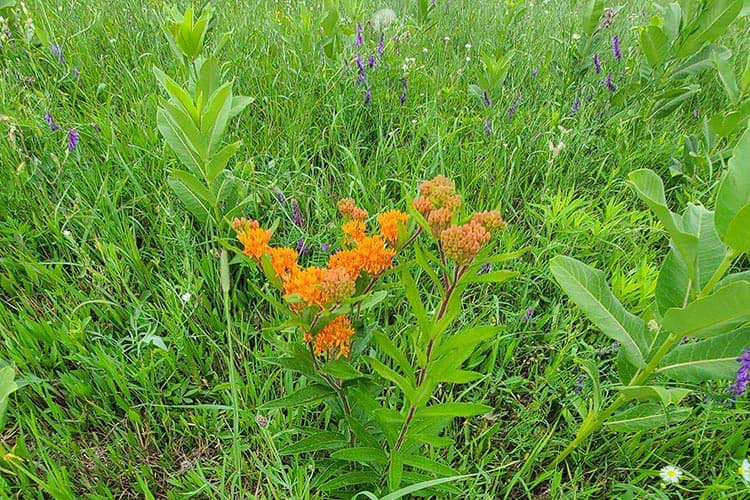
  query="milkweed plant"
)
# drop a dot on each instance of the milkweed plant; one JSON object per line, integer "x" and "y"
{"x": 380, "y": 386}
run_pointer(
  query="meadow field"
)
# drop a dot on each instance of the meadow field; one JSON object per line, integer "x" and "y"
{"x": 357, "y": 249}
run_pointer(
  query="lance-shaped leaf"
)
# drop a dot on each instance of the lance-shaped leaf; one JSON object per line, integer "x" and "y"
{"x": 646, "y": 416}
{"x": 315, "y": 442}
{"x": 708, "y": 26}
{"x": 307, "y": 395}
{"x": 712, "y": 359}
{"x": 650, "y": 189}
{"x": 453, "y": 410}
{"x": 667, "y": 396}
{"x": 587, "y": 287}
{"x": 733, "y": 199}
{"x": 713, "y": 315}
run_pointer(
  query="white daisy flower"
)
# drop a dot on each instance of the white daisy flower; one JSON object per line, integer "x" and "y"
{"x": 744, "y": 471}
{"x": 576, "y": 36}
{"x": 468, "y": 46}
{"x": 671, "y": 474}
{"x": 185, "y": 297}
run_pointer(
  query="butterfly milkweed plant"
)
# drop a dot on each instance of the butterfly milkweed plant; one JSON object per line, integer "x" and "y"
{"x": 379, "y": 384}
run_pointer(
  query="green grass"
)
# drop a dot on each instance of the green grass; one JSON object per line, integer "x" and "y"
{"x": 97, "y": 252}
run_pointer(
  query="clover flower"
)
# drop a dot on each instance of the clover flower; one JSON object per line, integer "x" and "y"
{"x": 743, "y": 374}
{"x": 371, "y": 61}
{"x": 670, "y": 474}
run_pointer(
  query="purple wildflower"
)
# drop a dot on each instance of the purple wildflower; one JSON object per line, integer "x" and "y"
{"x": 485, "y": 268}
{"x": 403, "y": 93}
{"x": 368, "y": 96}
{"x": 529, "y": 314}
{"x": 576, "y": 105}
{"x": 302, "y": 248}
{"x": 579, "y": 383}
{"x": 279, "y": 195}
{"x": 97, "y": 128}
{"x": 514, "y": 106}
{"x": 488, "y": 131}
{"x": 447, "y": 6}
{"x": 52, "y": 125}
{"x": 534, "y": 72}
{"x": 325, "y": 247}
{"x": 403, "y": 98}
{"x": 76, "y": 73}
{"x": 616, "y": 47}
{"x": 299, "y": 221}
{"x": 381, "y": 45}
{"x": 486, "y": 99}
{"x": 597, "y": 64}
{"x": 72, "y": 139}
{"x": 371, "y": 61}
{"x": 360, "y": 67}
{"x": 608, "y": 82}
{"x": 743, "y": 375}
{"x": 697, "y": 113}
{"x": 57, "y": 51}
{"x": 359, "y": 40}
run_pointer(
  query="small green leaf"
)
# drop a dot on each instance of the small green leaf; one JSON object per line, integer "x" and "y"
{"x": 196, "y": 205}
{"x": 493, "y": 277}
{"x": 308, "y": 395}
{"x": 390, "y": 374}
{"x": 340, "y": 368}
{"x": 667, "y": 396}
{"x": 645, "y": 417}
{"x": 395, "y": 354}
{"x": 315, "y": 442}
{"x": 453, "y": 410}
{"x": 362, "y": 454}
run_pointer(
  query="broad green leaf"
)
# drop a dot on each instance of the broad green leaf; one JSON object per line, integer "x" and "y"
{"x": 650, "y": 189}
{"x": 315, "y": 442}
{"x": 425, "y": 464}
{"x": 195, "y": 186}
{"x": 395, "y": 354}
{"x": 194, "y": 204}
{"x": 219, "y": 160}
{"x": 733, "y": 198}
{"x": 727, "y": 77}
{"x": 7, "y": 382}
{"x": 415, "y": 301}
{"x": 588, "y": 289}
{"x": 389, "y": 374}
{"x": 645, "y": 417}
{"x": 671, "y": 24}
{"x": 307, "y": 395}
{"x": 239, "y": 103}
{"x": 712, "y": 315}
{"x": 453, "y": 410}
{"x": 708, "y": 26}
{"x": 712, "y": 359}
{"x": 666, "y": 102}
{"x": 665, "y": 395}
{"x": 349, "y": 479}
{"x": 362, "y": 454}
{"x": 625, "y": 369}
{"x": 186, "y": 144}
{"x": 340, "y": 368}
{"x": 699, "y": 62}
{"x": 592, "y": 13}
{"x": 655, "y": 45}
{"x": 216, "y": 117}
{"x": 493, "y": 277}
{"x": 178, "y": 95}
{"x": 209, "y": 77}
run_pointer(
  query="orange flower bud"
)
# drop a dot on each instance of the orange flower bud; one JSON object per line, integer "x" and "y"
{"x": 491, "y": 220}
{"x": 463, "y": 243}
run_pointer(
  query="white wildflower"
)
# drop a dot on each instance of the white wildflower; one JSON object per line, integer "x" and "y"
{"x": 671, "y": 474}
{"x": 744, "y": 471}
{"x": 382, "y": 19}
{"x": 185, "y": 297}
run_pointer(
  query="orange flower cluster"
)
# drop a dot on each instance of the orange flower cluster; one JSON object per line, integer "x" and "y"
{"x": 389, "y": 224}
{"x": 348, "y": 208}
{"x": 253, "y": 238}
{"x": 438, "y": 202}
{"x": 462, "y": 243}
{"x": 335, "y": 337}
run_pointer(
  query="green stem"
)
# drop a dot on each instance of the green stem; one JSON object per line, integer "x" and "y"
{"x": 719, "y": 273}
{"x": 236, "y": 452}
{"x": 639, "y": 378}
